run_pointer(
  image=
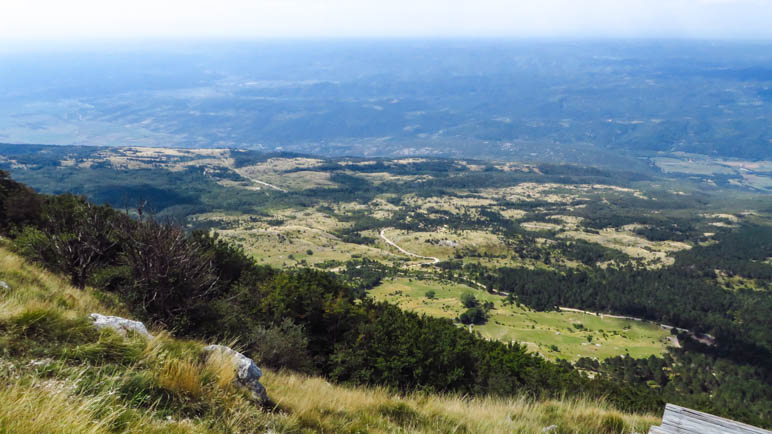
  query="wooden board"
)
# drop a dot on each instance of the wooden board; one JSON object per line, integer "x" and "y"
{"x": 682, "y": 420}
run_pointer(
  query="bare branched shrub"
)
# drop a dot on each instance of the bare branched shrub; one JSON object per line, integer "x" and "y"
{"x": 171, "y": 276}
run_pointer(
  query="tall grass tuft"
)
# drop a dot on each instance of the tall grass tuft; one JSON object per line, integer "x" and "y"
{"x": 220, "y": 366}
{"x": 46, "y": 408}
{"x": 182, "y": 377}
{"x": 109, "y": 348}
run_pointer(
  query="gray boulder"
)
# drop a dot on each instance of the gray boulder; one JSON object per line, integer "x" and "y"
{"x": 4, "y": 285}
{"x": 247, "y": 373}
{"x": 120, "y": 325}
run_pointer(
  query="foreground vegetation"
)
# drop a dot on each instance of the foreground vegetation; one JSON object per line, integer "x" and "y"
{"x": 59, "y": 374}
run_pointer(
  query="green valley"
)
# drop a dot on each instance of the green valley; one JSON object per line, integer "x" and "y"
{"x": 512, "y": 252}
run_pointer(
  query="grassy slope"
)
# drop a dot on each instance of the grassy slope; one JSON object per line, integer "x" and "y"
{"x": 540, "y": 330}
{"x": 60, "y": 375}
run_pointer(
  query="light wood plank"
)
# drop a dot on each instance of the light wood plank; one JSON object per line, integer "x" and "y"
{"x": 682, "y": 420}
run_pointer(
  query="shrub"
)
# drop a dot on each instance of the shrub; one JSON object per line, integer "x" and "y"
{"x": 282, "y": 346}
{"x": 469, "y": 300}
{"x": 74, "y": 237}
{"x": 430, "y": 294}
{"x": 110, "y": 278}
{"x": 172, "y": 276}
{"x": 475, "y": 315}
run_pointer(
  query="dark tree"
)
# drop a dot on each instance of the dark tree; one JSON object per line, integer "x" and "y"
{"x": 74, "y": 236}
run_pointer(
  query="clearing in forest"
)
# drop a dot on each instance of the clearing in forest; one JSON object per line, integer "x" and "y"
{"x": 555, "y": 335}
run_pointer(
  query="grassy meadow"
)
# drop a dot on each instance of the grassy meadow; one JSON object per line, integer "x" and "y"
{"x": 565, "y": 335}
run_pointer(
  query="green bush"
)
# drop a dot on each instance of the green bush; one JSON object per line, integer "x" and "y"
{"x": 475, "y": 315}
{"x": 469, "y": 300}
{"x": 282, "y": 346}
{"x": 110, "y": 278}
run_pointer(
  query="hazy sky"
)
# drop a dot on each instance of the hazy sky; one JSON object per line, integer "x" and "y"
{"x": 76, "y": 19}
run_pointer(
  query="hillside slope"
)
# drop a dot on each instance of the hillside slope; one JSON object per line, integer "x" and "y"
{"x": 59, "y": 374}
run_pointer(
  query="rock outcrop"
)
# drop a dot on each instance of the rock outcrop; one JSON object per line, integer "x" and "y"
{"x": 120, "y": 325}
{"x": 247, "y": 373}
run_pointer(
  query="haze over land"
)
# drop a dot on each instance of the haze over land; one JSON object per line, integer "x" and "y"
{"x": 593, "y": 102}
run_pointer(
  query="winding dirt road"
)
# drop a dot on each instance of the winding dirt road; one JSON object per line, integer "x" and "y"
{"x": 268, "y": 185}
{"x": 393, "y": 244}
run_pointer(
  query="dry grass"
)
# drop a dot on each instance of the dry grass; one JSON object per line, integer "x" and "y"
{"x": 220, "y": 365}
{"x": 32, "y": 287}
{"x": 182, "y": 377}
{"x": 309, "y": 398}
{"x": 34, "y": 408}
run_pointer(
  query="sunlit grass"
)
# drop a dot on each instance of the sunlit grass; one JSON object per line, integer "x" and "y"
{"x": 340, "y": 408}
{"x": 569, "y": 331}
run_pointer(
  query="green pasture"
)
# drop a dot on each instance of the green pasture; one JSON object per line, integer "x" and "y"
{"x": 566, "y": 335}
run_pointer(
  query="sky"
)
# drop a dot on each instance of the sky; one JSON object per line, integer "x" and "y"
{"x": 57, "y": 20}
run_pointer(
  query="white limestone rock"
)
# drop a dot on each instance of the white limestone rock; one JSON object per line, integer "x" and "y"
{"x": 120, "y": 325}
{"x": 247, "y": 372}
